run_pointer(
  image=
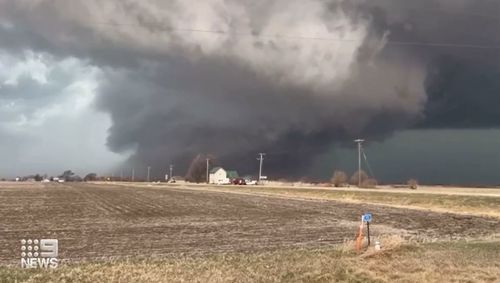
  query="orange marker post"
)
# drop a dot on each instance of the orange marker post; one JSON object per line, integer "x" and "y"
{"x": 359, "y": 239}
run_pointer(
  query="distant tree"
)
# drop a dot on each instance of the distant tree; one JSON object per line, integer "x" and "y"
{"x": 197, "y": 170}
{"x": 369, "y": 183}
{"x": 413, "y": 184}
{"x": 355, "y": 177}
{"x": 305, "y": 180}
{"x": 67, "y": 175}
{"x": 38, "y": 178}
{"x": 339, "y": 179}
{"x": 179, "y": 178}
{"x": 76, "y": 178}
{"x": 90, "y": 177}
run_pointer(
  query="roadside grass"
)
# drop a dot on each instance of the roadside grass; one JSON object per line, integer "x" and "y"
{"x": 475, "y": 205}
{"x": 436, "y": 262}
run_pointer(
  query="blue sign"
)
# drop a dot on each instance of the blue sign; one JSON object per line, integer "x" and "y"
{"x": 367, "y": 217}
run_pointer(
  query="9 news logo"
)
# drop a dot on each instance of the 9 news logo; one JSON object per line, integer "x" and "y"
{"x": 39, "y": 253}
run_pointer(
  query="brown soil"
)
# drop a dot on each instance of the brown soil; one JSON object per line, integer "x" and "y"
{"x": 103, "y": 221}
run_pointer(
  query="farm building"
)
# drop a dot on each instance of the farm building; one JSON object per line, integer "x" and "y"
{"x": 220, "y": 176}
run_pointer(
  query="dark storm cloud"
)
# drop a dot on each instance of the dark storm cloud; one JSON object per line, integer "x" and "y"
{"x": 460, "y": 43}
{"x": 261, "y": 86}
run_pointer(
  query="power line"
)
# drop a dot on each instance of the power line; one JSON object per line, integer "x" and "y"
{"x": 317, "y": 38}
{"x": 368, "y": 164}
{"x": 443, "y": 44}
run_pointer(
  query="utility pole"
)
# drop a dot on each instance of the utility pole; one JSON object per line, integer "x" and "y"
{"x": 149, "y": 173}
{"x": 208, "y": 179}
{"x": 121, "y": 175}
{"x": 170, "y": 174}
{"x": 261, "y": 160}
{"x": 133, "y": 175}
{"x": 359, "y": 142}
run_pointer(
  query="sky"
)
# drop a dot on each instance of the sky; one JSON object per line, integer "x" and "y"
{"x": 48, "y": 120}
{"x": 443, "y": 157}
{"x": 103, "y": 87}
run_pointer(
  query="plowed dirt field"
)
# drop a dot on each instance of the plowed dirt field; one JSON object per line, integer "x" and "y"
{"x": 105, "y": 221}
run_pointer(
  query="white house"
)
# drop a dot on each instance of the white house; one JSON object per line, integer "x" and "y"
{"x": 218, "y": 176}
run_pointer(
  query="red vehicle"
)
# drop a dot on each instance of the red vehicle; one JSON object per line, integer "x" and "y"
{"x": 239, "y": 181}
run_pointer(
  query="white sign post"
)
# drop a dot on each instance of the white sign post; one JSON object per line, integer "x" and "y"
{"x": 367, "y": 217}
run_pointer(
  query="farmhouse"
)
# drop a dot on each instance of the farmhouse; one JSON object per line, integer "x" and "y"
{"x": 220, "y": 176}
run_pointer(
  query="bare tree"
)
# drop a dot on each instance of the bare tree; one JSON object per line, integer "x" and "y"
{"x": 90, "y": 177}
{"x": 356, "y": 177}
{"x": 197, "y": 172}
{"x": 339, "y": 179}
{"x": 413, "y": 184}
{"x": 305, "y": 180}
{"x": 67, "y": 176}
{"x": 369, "y": 183}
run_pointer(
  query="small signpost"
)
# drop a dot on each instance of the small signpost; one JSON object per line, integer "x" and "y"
{"x": 367, "y": 218}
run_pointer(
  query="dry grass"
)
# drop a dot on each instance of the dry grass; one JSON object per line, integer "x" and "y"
{"x": 461, "y": 204}
{"x": 441, "y": 262}
{"x": 207, "y": 236}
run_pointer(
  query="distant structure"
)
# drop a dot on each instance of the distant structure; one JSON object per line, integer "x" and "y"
{"x": 261, "y": 160}
{"x": 361, "y": 152}
{"x": 220, "y": 176}
{"x": 231, "y": 174}
{"x": 170, "y": 176}
{"x": 208, "y": 172}
{"x": 360, "y": 148}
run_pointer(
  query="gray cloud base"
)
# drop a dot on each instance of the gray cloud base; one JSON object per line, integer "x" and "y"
{"x": 265, "y": 84}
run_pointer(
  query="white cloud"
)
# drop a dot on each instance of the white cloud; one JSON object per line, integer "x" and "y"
{"x": 33, "y": 66}
{"x": 49, "y": 123}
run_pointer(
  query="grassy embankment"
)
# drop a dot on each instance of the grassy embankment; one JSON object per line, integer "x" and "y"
{"x": 437, "y": 262}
